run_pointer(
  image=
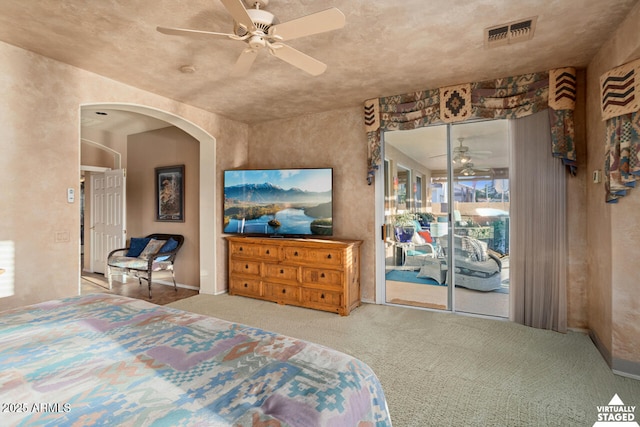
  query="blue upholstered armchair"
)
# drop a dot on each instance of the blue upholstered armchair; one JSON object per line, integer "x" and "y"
{"x": 144, "y": 256}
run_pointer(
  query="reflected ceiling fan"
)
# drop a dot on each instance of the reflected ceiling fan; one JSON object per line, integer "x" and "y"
{"x": 469, "y": 169}
{"x": 462, "y": 154}
{"x": 260, "y": 29}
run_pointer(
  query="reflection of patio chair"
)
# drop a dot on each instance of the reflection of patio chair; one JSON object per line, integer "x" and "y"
{"x": 475, "y": 267}
{"x": 420, "y": 248}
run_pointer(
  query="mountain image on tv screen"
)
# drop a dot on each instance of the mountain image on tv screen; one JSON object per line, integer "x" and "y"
{"x": 287, "y": 202}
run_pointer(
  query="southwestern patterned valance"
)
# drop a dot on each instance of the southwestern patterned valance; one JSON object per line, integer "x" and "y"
{"x": 620, "y": 94}
{"x": 505, "y": 98}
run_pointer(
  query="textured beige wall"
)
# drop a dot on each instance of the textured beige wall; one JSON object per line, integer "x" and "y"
{"x": 165, "y": 147}
{"x": 114, "y": 141}
{"x": 39, "y": 121}
{"x": 577, "y": 266}
{"x": 613, "y": 229}
{"x": 94, "y": 156}
{"x": 334, "y": 139}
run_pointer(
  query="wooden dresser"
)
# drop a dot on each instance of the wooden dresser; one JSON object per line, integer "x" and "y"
{"x": 313, "y": 273}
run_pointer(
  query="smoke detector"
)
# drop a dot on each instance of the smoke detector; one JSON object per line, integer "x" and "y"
{"x": 509, "y": 33}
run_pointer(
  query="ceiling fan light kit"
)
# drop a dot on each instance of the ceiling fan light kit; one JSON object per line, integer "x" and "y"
{"x": 260, "y": 29}
{"x": 461, "y": 158}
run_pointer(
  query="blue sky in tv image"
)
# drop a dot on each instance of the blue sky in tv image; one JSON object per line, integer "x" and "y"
{"x": 305, "y": 179}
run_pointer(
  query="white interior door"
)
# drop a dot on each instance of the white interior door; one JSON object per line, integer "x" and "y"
{"x": 108, "y": 220}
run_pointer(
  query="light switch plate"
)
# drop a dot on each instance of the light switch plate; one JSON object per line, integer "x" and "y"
{"x": 597, "y": 176}
{"x": 71, "y": 195}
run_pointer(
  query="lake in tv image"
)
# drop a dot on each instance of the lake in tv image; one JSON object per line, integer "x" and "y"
{"x": 278, "y": 201}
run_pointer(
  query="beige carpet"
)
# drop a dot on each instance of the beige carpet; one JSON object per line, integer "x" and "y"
{"x": 441, "y": 369}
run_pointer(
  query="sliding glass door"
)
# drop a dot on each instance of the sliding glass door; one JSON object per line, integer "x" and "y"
{"x": 414, "y": 221}
{"x": 446, "y": 210}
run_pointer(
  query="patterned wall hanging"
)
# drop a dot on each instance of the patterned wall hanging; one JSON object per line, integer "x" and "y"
{"x": 620, "y": 90}
{"x": 620, "y": 101}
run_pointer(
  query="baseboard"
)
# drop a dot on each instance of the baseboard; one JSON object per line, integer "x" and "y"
{"x": 178, "y": 285}
{"x": 626, "y": 368}
{"x": 604, "y": 351}
{"x": 622, "y": 367}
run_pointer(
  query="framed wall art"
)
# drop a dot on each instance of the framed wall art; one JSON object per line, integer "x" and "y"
{"x": 170, "y": 193}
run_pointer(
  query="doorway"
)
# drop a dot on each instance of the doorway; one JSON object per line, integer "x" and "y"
{"x": 203, "y": 215}
{"x": 446, "y": 218}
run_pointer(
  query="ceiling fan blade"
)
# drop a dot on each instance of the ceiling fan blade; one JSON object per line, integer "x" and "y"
{"x": 244, "y": 62}
{"x": 239, "y": 13}
{"x": 298, "y": 59}
{"x": 327, "y": 20}
{"x": 194, "y": 33}
{"x": 478, "y": 155}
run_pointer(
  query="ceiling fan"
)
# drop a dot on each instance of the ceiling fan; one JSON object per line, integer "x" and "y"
{"x": 462, "y": 154}
{"x": 469, "y": 169}
{"x": 260, "y": 29}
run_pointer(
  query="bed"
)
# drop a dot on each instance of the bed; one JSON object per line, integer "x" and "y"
{"x": 103, "y": 359}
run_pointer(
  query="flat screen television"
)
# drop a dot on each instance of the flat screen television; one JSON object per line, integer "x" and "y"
{"x": 279, "y": 202}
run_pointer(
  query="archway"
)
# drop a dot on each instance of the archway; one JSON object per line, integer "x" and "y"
{"x": 207, "y": 156}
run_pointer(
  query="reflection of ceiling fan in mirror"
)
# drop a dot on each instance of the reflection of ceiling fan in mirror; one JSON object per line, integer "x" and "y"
{"x": 260, "y": 29}
{"x": 469, "y": 170}
{"x": 462, "y": 154}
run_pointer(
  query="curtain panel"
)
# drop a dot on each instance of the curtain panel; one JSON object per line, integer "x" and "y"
{"x": 504, "y": 98}
{"x": 620, "y": 100}
{"x": 537, "y": 258}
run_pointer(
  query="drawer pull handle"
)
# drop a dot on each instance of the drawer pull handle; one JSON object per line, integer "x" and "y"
{"x": 246, "y": 285}
{"x": 322, "y": 275}
{"x": 246, "y": 266}
{"x": 295, "y": 253}
{"x": 329, "y": 256}
{"x": 240, "y": 249}
{"x": 267, "y": 251}
{"x": 281, "y": 271}
{"x": 284, "y": 291}
{"x": 322, "y": 296}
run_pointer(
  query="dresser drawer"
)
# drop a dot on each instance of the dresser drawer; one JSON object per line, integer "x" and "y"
{"x": 315, "y": 297}
{"x": 245, "y": 267}
{"x": 267, "y": 252}
{"x": 319, "y": 276}
{"x": 281, "y": 293}
{"x": 282, "y": 272}
{"x": 315, "y": 256}
{"x": 237, "y": 249}
{"x": 243, "y": 286}
{"x": 247, "y": 250}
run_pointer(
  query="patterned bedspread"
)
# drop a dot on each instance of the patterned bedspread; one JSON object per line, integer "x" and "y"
{"x": 109, "y": 360}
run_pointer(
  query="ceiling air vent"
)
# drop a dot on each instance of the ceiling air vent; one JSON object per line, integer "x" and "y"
{"x": 509, "y": 33}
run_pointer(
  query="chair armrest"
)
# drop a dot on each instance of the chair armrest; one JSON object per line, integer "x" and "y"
{"x": 425, "y": 245}
{"x": 116, "y": 250}
{"x": 496, "y": 259}
{"x": 170, "y": 254}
